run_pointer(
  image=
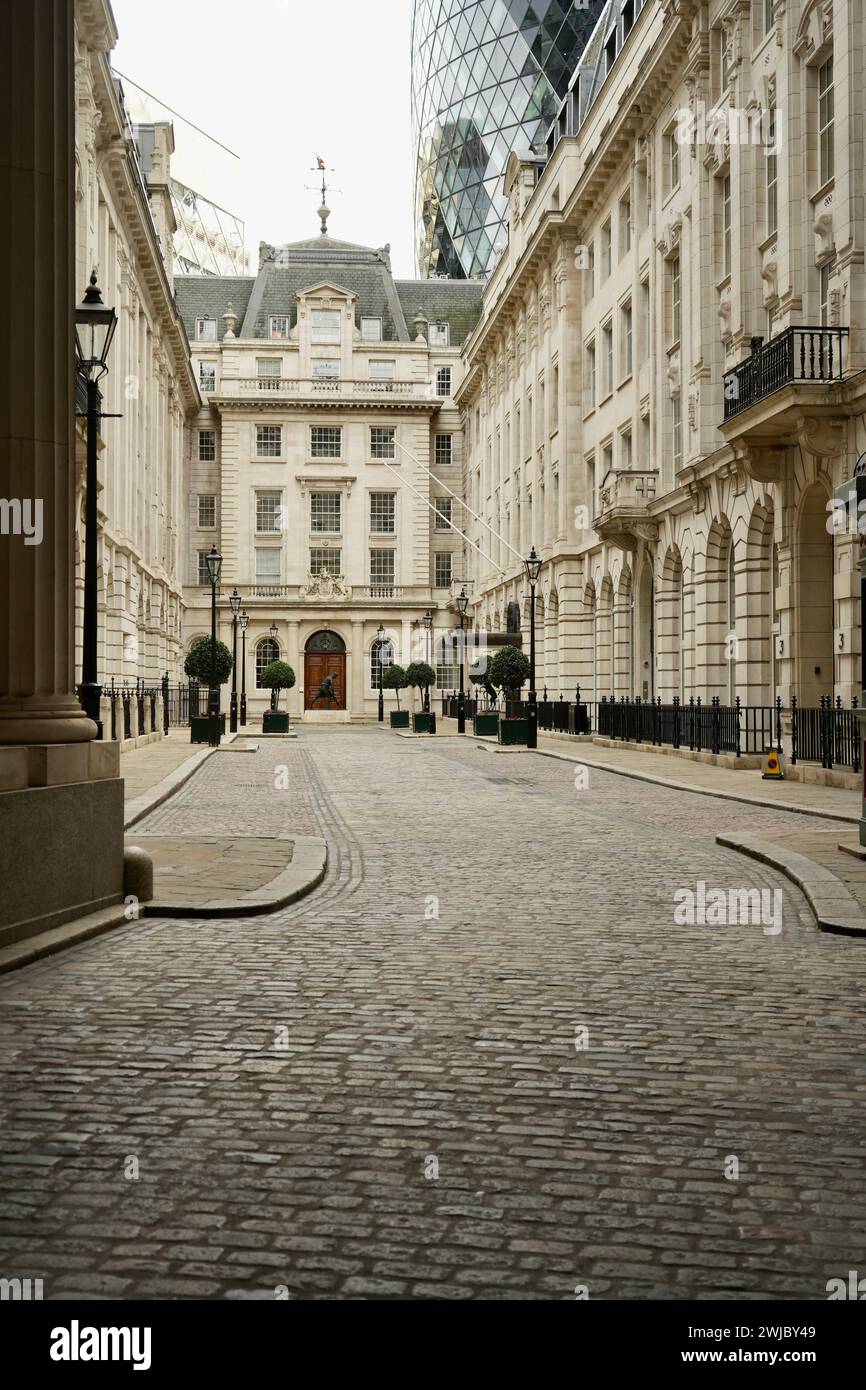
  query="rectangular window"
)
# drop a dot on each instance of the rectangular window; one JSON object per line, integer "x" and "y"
{"x": 444, "y": 450}
{"x": 606, "y": 250}
{"x": 625, "y": 226}
{"x": 440, "y": 335}
{"x": 383, "y": 513}
{"x": 326, "y": 562}
{"x": 268, "y": 511}
{"x": 591, "y": 385}
{"x": 443, "y": 513}
{"x": 382, "y": 371}
{"x": 824, "y": 293}
{"x": 724, "y": 60}
{"x": 646, "y": 442}
{"x": 443, "y": 568}
{"x": 207, "y": 376}
{"x": 268, "y": 371}
{"x": 326, "y": 441}
{"x": 554, "y": 401}
{"x": 382, "y": 567}
{"x": 443, "y": 381}
{"x": 826, "y": 120}
{"x": 326, "y": 325}
{"x": 269, "y": 441}
{"x": 625, "y": 454}
{"x": 590, "y": 484}
{"x": 203, "y": 573}
{"x": 206, "y": 330}
{"x": 676, "y": 301}
{"x": 207, "y": 446}
{"x": 206, "y": 509}
{"x": 607, "y": 356}
{"x": 371, "y": 330}
{"x": 677, "y": 410}
{"x": 606, "y": 461}
{"x": 625, "y": 338}
{"x": 768, "y": 15}
{"x": 772, "y": 174}
{"x": 325, "y": 369}
{"x": 726, "y": 224}
{"x": 447, "y": 663}
{"x": 589, "y": 283}
{"x": 267, "y": 565}
{"x": 383, "y": 442}
{"x": 673, "y": 160}
{"x": 278, "y": 326}
{"x": 325, "y": 512}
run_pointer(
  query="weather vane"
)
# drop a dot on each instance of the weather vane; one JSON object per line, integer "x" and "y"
{"x": 324, "y": 211}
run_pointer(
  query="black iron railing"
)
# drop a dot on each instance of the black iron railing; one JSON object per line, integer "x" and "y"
{"x": 797, "y": 355}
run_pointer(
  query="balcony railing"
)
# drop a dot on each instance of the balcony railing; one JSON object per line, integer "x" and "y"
{"x": 382, "y": 591}
{"x": 811, "y": 356}
{"x": 338, "y": 387}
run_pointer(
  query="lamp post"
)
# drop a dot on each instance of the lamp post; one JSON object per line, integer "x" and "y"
{"x": 235, "y": 605}
{"x": 462, "y": 604}
{"x": 214, "y": 566}
{"x": 380, "y": 633}
{"x": 427, "y": 620}
{"x": 533, "y": 568}
{"x": 95, "y": 325}
{"x": 274, "y": 631}
{"x": 243, "y": 620}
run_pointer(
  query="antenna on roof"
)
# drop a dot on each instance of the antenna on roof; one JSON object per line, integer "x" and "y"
{"x": 324, "y": 211}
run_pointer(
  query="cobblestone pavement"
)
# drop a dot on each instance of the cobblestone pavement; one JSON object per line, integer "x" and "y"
{"x": 357, "y": 1097}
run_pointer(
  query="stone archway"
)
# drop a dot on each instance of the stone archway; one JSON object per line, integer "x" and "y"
{"x": 813, "y": 567}
{"x": 325, "y": 669}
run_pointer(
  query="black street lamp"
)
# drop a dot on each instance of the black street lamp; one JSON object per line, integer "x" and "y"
{"x": 235, "y": 605}
{"x": 462, "y": 604}
{"x": 243, "y": 620}
{"x": 95, "y": 325}
{"x": 533, "y": 569}
{"x": 427, "y": 620}
{"x": 380, "y": 633}
{"x": 214, "y": 566}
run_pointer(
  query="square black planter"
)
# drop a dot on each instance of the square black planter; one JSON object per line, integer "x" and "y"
{"x": 399, "y": 719}
{"x": 512, "y": 731}
{"x": 275, "y": 721}
{"x": 199, "y": 727}
{"x": 424, "y": 723}
{"x": 486, "y": 725}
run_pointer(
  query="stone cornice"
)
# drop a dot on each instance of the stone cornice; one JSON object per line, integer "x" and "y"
{"x": 259, "y": 405}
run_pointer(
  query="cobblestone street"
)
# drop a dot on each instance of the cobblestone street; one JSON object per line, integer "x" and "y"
{"x": 386, "y": 1090}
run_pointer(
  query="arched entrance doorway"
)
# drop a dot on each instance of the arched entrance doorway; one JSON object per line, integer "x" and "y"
{"x": 324, "y": 657}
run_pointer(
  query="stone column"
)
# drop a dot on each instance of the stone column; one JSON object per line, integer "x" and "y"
{"x": 37, "y": 700}
{"x": 295, "y": 660}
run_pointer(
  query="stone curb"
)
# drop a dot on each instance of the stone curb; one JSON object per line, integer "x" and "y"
{"x": 48, "y": 943}
{"x": 156, "y": 795}
{"x": 303, "y": 874}
{"x": 834, "y": 908}
{"x": 702, "y": 791}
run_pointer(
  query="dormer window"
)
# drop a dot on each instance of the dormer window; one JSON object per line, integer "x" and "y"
{"x": 278, "y": 326}
{"x": 440, "y": 335}
{"x": 206, "y": 330}
{"x": 326, "y": 325}
{"x": 371, "y": 330}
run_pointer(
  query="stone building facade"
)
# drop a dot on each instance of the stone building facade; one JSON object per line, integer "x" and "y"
{"x": 666, "y": 382}
{"x": 124, "y": 225}
{"x": 321, "y": 465}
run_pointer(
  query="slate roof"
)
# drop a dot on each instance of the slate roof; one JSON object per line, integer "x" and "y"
{"x": 287, "y": 271}
{"x": 457, "y": 302}
{"x": 203, "y": 296}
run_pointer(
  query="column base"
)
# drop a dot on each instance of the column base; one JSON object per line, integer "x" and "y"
{"x": 51, "y": 721}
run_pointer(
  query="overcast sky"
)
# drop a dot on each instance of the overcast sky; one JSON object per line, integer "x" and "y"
{"x": 279, "y": 82}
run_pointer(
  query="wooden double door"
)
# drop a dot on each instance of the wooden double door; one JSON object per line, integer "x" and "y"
{"x": 317, "y": 666}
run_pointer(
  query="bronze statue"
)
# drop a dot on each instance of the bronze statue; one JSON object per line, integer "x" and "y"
{"x": 326, "y": 691}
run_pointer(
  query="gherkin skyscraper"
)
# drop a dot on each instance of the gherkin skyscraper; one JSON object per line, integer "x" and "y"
{"x": 487, "y": 77}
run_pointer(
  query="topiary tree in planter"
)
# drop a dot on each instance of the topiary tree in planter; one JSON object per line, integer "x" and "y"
{"x": 198, "y": 662}
{"x": 420, "y": 676}
{"x": 277, "y": 676}
{"x": 395, "y": 678}
{"x": 479, "y": 675}
{"x": 509, "y": 670}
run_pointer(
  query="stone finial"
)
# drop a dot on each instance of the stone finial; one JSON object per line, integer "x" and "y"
{"x": 230, "y": 319}
{"x": 421, "y": 326}
{"x": 323, "y": 215}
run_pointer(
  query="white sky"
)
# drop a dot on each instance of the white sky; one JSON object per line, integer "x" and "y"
{"x": 278, "y": 82}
